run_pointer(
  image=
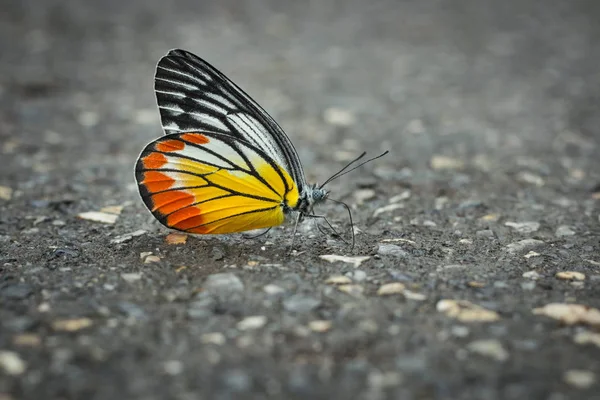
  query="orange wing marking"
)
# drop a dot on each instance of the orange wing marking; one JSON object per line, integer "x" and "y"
{"x": 170, "y": 145}
{"x": 196, "y": 138}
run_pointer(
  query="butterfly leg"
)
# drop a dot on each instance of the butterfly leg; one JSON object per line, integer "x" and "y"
{"x": 330, "y": 226}
{"x": 294, "y": 233}
{"x": 258, "y": 235}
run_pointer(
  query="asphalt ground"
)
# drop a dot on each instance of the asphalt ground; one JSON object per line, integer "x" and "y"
{"x": 476, "y": 267}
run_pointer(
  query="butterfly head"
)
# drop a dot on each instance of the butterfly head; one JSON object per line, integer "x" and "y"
{"x": 312, "y": 195}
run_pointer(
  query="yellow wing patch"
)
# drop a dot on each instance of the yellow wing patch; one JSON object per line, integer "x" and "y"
{"x": 213, "y": 183}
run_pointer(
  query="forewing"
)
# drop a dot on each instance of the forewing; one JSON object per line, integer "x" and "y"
{"x": 212, "y": 183}
{"x": 192, "y": 95}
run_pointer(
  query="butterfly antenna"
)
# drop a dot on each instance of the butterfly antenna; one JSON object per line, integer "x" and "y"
{"x": 343, "y": 171}
{"x": 349, "y": 215}
{"x": 332, "y": 177}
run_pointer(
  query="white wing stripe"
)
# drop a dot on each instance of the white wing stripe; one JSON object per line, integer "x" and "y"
{"x": 172, "y": 107}
{"x": 211, "y": 106}
{"x": 207, "y": 119}
{"x": 189, "y": 76}
{"x": 220, "y": 99}
{"x": 179, "y": 83}
{"x": 176, "y": 94}
{"x": 198, "y": 71}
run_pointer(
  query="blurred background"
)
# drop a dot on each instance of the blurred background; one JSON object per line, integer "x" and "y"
{"x": 490, "y": 110}
{"x": 461, "y": 78}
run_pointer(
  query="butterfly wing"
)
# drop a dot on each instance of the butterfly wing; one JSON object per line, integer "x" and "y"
{"x": 192, "y": 95}
{"x": 213, "y": 183}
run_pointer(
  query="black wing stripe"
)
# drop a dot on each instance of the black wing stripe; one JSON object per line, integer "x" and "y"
{"x": 235, "y": 216}
{"x": 205, "y": 89}
{"x": 183, "y": 75}
{"x": 233, "y": 143}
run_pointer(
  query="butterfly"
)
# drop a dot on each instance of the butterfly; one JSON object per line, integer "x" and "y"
{"x": 224, "y": 165}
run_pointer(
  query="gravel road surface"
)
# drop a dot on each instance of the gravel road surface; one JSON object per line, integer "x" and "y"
{"x": 476, "y": 270}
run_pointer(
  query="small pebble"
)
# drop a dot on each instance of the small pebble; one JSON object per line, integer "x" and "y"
{"x": 128, "y": 236}
{"x": 533, "y": 275}
{"x": 17, "y": 291}
{"x": 213, "y": 338}
{"x": 355, "y": 261}
{"x": 132, "y": 310}
{"x": 581, "y": 379}
{"x": 237, "y": 380}
{"x": 490, "y": 218}
{"x": 338, "y": 280}
{"x": 440, "y": 162}
{"x": 151, "y": 259}
{"x": 400, "y": 197}
{"x": 490, "y": 348}
{"x": 301, "y": 303}
{"x": 586, "y": 337}
{"x": 383, "y": 380}
{"x": 27, "y": 339}
{"x": 522, "y": 245}
{"x": 357, "y": 275}
{"x": 460, "y": 331}
{"x": 72, "y": 325}
{"x": 131, "y": 277}
{"x": 176, "y": 238}
{"x": 563, "y": 231}
{"x": 363, "y": 195}
{"x": 466, "y": 311}
{"x": 528, "y": 177}
{"x": 354, "y": 290}
{"x": 570, "y": 276}
{"x": 450, "y": 267}
{"x": 98, "y": 216}
{"x": 223, "y": 282}
{"x": 88, "y": 118}
{"x": 531, "y": 254}
{"x": 415, "y": 126}
{"x": 570, "y": 314}
{"x": 530, "y": 285}
{"x": 12, "y": 363}
{"x": 273, "y": 289}
{"x": 476, "y": 284}
{"x": 388, "y": 208}
{"x": 485, "y": 233}
{"x": 173, "y": 367}
{"x": 410, "y": 295}
{"x": 391, "y": 250}
{"x": 391, "y": 288}
{"x": 320, "y": 325}
{"x": 339, "y": 117}
{"x": 251, "y": 323}
{"x": 524, "y": 227}
{"x": 5, "y": 193}
{"x": 217, "y": 254}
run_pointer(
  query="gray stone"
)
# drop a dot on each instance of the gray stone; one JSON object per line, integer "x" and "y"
{"x": 223, "y": 282}
{"x": 18, "y": 291}
{"x": 564, "y": 230}
{"x": 391, "y": 250}
{"x": 301, "y": 303}
{"x": 526, "y": 244}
